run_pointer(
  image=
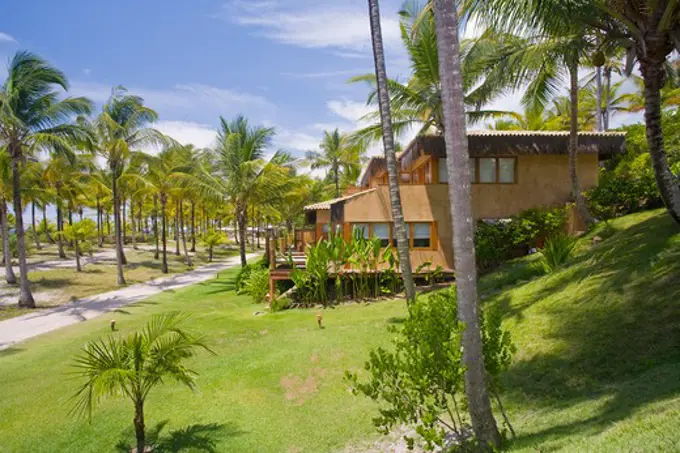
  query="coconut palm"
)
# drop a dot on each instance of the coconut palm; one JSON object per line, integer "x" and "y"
{"x": 338, "y": 153}
{"x": 133, "y": 366}
{"x": 80, "y": 233}
{"x": 6, "y": 194}
{"x": 479, "y": 404}
{"x": 121, "y": 128}
{"x": 211, "y": 240}
{"x": 32, "y": 117}
{"x": 416, "y": 104}
{"x": 247, "y": 175}
{"x": 383, "y": 96}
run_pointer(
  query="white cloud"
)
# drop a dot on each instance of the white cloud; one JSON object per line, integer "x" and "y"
{"x": 330, "y": 25}
{"x": 352, "y": 111}
{"x": 189, "y": 132}
{"x": 4, "y": 37}
{"x": 295, "y": 141}
{"x": 323, "y": 74}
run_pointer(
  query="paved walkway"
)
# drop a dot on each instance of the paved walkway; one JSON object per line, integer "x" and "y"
{"x": 37, "y": 323}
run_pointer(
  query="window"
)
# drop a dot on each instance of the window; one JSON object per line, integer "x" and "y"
{"x": 363, "y": 227}
{"x": 382, "y": 232}
{"x": 506, "y": 170}
{"x": 473, "y": 170}
{"x": 487, "y": 170}
{"x": 394, "y": 234}
{"x": 443, "y": 172}
{"x": 326, "y": 228}
{"x": 421, "y": 235}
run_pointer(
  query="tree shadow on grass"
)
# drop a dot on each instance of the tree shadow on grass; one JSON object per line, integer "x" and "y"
{"x": 222, "y": 285}
{"x": 192, "y": 438}
{"x": 12, "y": 350}
{"x": 608, "y": 327}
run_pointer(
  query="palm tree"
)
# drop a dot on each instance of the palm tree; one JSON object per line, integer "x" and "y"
{"x": 6, "y": 194}
{"x": 121, "y": 128}
{"x": 240, "y": 157}
{"x": 211, "y": 240}
{"x": 80, "y": 233}
{"x": 340, "y": 154}
{"x": 479, "y": 404}
{"x": 133, "y": 366}
{"x": 388, "y": 145}
{"x": 33, "y": 117}
{"x": 417, "y": 103}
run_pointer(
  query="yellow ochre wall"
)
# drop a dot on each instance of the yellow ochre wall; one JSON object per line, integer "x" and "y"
{"x": 542, "y": 181}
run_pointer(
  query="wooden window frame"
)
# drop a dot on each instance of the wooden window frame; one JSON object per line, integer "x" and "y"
{"x": 434, "y": 233}
{"x": 498, "y": 171}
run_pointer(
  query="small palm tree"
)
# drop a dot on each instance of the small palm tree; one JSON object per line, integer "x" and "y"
{"x": 81, "y": 234}
{"x": 211, "y": 240}
{"x": 341, "y": 155}
{"x": 31, "y": 118}
{"x": 132, "y": 366}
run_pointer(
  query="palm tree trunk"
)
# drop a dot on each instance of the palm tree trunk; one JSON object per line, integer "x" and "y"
{"x": 669, "y": 186}
{"x": 6, "y": 251}
{"x": 479, "y": 404}
{"x": 390, "y": 156}
{"x": 36, "y": 237}
{"x": 184, "y": 237}
{"x": 177, "y": 227}
{"x": 100, "y": 226}
{"x": 164, "y": 261}
{"x": 598, "y": 107}
{"x": 49, "y": 237}
{"x": 155, "y": 225}
{"x": 241, "y": 216}
{"x": 25, "y": 297}
{"x": 236, "y": 235}
{"x": 193, "y": 226}
{"x": 75, "y": 241}
{"x": 607, "y": 94}
{"x": 336, "y": 178}
{"x": 139, "y": 221}
{"x": 139, "y": 426}
{"x": 108, "y": 223}
{"x": 573, "y": 147}
{"x": 132, "y": 224}
{"x": 124, "y": 228}
{"x": 116, "y": 226}
{"x": 60, "y": 227}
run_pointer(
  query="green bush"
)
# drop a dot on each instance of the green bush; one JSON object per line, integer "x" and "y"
{"x": 257, "y": 285}
{"x": 280, "y": 304}
{"x": 558, "y": 249}
{"x": 420, "y": 380}
{"x": 244, "y": 275}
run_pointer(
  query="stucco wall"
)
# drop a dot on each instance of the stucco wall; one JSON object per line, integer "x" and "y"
{"x": 542, "y": 181}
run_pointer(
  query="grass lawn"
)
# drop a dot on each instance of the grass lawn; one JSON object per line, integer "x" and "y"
{"x": 598, "y": 365}
{"x": 60, "y": 286}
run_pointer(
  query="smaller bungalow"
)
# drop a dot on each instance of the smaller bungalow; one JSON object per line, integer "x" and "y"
{"x": 511, "y": 171}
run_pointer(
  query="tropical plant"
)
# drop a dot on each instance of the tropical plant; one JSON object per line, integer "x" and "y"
{"x": 340, "y": 154}
{"x": 257, "y": 285}
{"x": 211, "y": 240}
{"x": 557, "y": 251}
{"x": 133, "y": 366}
{"x": 457, "y": 162}
{"x": 421, "y": 380}
{"x": 81, "y": 234}
{"x": 32, "y": 117}
{"x": 121, "y": 128}
{"x": 386, "y": 130}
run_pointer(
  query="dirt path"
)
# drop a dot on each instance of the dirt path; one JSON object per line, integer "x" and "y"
{"x": 39, "y": 322}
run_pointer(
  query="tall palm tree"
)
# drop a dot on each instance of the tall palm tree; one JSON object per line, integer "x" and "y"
{"x": 460, "y": 192}
{"x": 240, "y": 158}
{"x": 5, "y": 195}
{"x": 121, "y": 128}
{"x": 388, "y": 145}
{"x": 340, "y": 154}
{"x": 33, "y": 117}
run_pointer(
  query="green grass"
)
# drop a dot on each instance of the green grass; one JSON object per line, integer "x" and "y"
{"x": 598, "y": 365}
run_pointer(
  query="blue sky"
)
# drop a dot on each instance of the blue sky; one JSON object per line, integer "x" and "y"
{"x": 280, "y": 63}
{"x": 283, "y": 64}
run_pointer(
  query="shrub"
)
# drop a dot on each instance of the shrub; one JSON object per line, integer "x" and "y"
{"x": 558, "y": 249}
{"x": 257, "y": 285}
{"x": 422, "y": 377}
{"x": 244, "y": 274}
{"x": 280, "y": 304}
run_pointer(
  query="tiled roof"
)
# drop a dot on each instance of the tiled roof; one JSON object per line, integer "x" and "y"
{"x": 491, "y": 133}
{"x": 327, "y": 204}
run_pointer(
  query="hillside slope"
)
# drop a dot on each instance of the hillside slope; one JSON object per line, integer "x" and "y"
{"x": 598, "y": 362}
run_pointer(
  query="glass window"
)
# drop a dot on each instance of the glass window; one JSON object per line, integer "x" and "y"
{"x": 473, "y": 170}
{"x": 405, "y": 178}
{"x": 421, "y": 235}
{"x": 443, "y": 172}
{"x": 506, "y": 170}
{"x": 394, "y": 234}
{"x": 363, "y": 227}
{"x": 487, "y": 170}
{"x": 382, "y": 232}
{"x": 326, "y": 228}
